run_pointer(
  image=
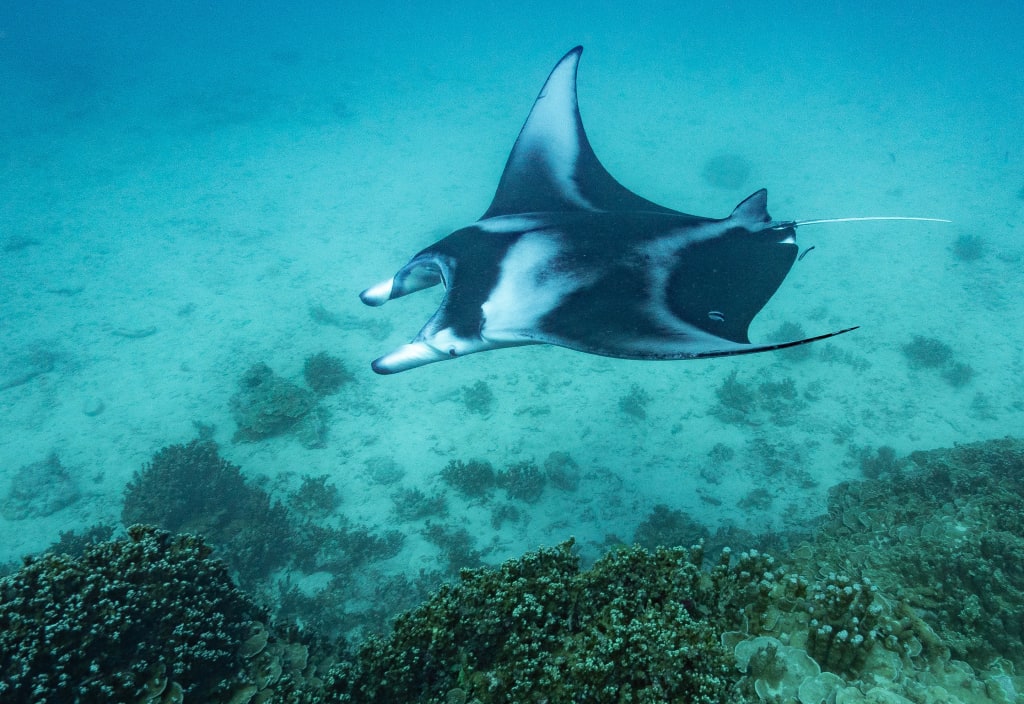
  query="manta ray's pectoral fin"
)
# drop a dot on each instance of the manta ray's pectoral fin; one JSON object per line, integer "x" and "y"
{"x": 420, "y": 273}
{"x": 732, "y": 350}
{"x": 552, "y": 167}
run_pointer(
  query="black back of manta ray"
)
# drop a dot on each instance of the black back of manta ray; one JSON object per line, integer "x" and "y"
{"x": 566, "y": 255}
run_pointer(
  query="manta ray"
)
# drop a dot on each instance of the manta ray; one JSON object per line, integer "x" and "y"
{"x": 565, "y": 255}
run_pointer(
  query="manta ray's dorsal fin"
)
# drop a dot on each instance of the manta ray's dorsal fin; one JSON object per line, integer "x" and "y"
{"x": 753, "y": 211}
{"x": 552, "y": 167}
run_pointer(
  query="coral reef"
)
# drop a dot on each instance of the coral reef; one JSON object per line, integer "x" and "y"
{"x": 831, "y": 353}
{"x": 834, "y": 638}
{"x": 635, "y": 402}
{"x": 343, "y": 549}
{"x": 75, "y": 545}
{"x": 771, "y": 401}
{"x": 854, "y": 615}
{"x": 342, "y": 556}
{"x": 718, "y": 457}
{"x": 958, "y": 513}
{"x": 539, "y": 629}
{"x": 478, "y": 398}
{"x": 315, "y": 498}
{"x": 329, "y": 613}
{"x": 782, "y": 460}
{"x": 562, "y": 471}
{"x": 958, "y": 374}
{"x": 455, "y": 544}
{"x": 415, "y": 505}
{"x": 522, "y": 480}
{"x": 644, "y": 626}
{"x": 668, "y": 527}
{"x": 927, "y": 352}
{"x": 878, "y": 462}
{"x": 780, "y": 400}
{"x": 127, "y": 621}
{"x": 267, "y": 405}
{"x": 190, "y": 488}
{"x": 969, "y": 247}
{"x": 983, "y": 407}
{"x": 325, "y": 374}
{"x": 735, "y": 399}
{"x": 384, "y": 470}
{"x": 39, "y": 489}
{"x": 792, "y": 331}
{"x": 474, "y": 479}
{"x": 758, "y": 499}
{"x": 502, "y": 513}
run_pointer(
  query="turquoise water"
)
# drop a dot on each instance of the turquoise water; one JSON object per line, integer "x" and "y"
{"x": 191, "y": 190}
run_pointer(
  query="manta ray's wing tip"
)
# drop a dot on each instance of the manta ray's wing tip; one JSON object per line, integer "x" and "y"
{"x": 410, "y": 356}
{"x": 378, "y": 294}
{"x": 381, "y": 368}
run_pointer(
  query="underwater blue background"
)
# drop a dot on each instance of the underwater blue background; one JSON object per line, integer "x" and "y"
{"x": 182, "y": 183}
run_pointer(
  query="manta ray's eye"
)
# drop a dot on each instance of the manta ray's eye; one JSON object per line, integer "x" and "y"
{"x": 716, "y": 316}
{"x": 451, "y": 352}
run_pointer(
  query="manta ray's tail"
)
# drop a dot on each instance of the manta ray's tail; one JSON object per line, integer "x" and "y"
{"x": 800, "y": 223}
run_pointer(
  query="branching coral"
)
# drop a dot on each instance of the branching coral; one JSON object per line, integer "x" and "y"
{"x": 413, "y": 504}
{"x": 668, "y": 527}
{"x": 127, "y": 616}
{"x": 774, "y": 401}
{"x": 316, "y": 498}
{"x": 929, "y": 353}
{"x": 522, "y": 480}
{"x": 191, "y": 488}
{"x": 456, "y": 545}
{"x": 478, "y": 398}
{"x": 635, "y": 402}
{"x": 945, "y": 535}
{"x": 539, "y": 629}
{"x": 325, "y": 374}
{"x": 474, "y": 479}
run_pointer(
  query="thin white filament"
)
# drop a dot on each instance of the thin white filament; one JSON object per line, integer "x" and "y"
{"x": 876, "y": 217}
